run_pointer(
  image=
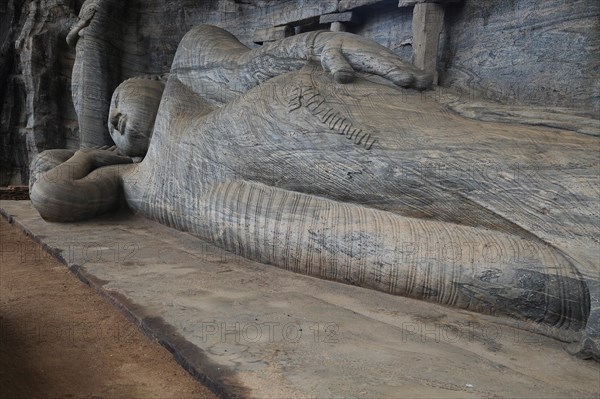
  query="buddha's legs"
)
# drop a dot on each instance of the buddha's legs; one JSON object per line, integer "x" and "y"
{"x": 484, "y": 271}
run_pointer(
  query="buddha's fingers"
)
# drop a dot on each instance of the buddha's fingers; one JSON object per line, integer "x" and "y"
{"x": 333, "y": 60}
{"x": 367, "y": 56}
{"x": 391, "y": 67}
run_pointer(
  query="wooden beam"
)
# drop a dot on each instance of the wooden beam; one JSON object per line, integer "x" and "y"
{"x": 282, "y": 13}
{"x": 410, "y": 3}
{"x": 345, "y": 5}
{"x": 272, "y": 34}
{"x": 338, "y": 21}
{"x": 428, "y": 19}
{"x": 337, "y": 17}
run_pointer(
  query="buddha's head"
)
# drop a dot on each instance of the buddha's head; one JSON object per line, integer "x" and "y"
{"x": 133, "y": 110}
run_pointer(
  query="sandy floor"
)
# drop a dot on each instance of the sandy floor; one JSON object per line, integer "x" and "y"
{"x": 59, "y": 339}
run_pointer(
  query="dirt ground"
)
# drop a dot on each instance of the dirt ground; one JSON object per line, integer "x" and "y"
{"x": 14, "y": 193}
{"x": 60, "y": 339}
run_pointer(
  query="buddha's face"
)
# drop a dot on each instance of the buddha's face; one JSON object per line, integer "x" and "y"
{"x": 133, "y": 110}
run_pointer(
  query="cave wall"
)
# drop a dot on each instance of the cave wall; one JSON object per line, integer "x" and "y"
{"x": 36, "y": 112}
{"x": 540, "y": 52}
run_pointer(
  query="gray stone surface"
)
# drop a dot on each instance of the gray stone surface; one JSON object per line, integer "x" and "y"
{"x": 411, "y": 3}
{"x": 516, "y": 52}
{"x": 348, "y": 16}
{"x": 272, "y": 34}
{"x": 261, "y": 165}
{"x": 427, "y": 24}
{"x": 36, "y": 112}
{"x": 533, "y": 52}
{"x": 98, "y": 39}
{"x": 214, "y": 312}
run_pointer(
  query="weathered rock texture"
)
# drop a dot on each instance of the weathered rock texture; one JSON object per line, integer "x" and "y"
{"x": 97, "y": 38}
{"x": 541, "y": 52}
{"x": 516, "y": 52}
{"x": 362, "y": 183}
{"x": 35, "y": 70}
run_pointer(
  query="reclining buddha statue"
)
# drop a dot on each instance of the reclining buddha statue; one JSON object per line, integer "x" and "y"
{"x": 319, "y": 154}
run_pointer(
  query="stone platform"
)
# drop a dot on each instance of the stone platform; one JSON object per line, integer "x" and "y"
{"x": 250, "y": 330}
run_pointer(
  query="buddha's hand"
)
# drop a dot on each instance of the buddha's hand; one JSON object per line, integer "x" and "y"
{"x": 343, "y": 54}
{"x": 88, "y": 9}
{"x": 103, "y": 156}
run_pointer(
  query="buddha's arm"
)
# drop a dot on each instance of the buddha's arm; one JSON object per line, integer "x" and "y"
{"x": 45, "y": 161}
{"x": 218, "y": 67}
{"x": 84, "y": 186}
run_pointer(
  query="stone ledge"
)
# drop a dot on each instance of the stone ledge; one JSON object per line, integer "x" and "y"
{"x": 205, "y": 306}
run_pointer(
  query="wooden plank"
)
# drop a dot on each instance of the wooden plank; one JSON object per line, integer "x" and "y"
{"x": 410, "y": 3}
{"x": 287, "y": 12}
{"x": 428, "y": 19}
{"x": 272, "y": 34}
{"x": 345, "y": 5}
{"x": 348, "y": 16}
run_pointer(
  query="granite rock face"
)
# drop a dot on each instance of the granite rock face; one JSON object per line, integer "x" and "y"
{"x": 536, "y": 52}
{"x": 9, "y": 91}
{"x": 36, "y": 109}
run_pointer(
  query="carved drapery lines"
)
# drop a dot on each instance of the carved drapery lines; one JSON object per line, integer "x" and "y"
{"x": 309, "y": 97}
{"x": 266, "y": 66}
